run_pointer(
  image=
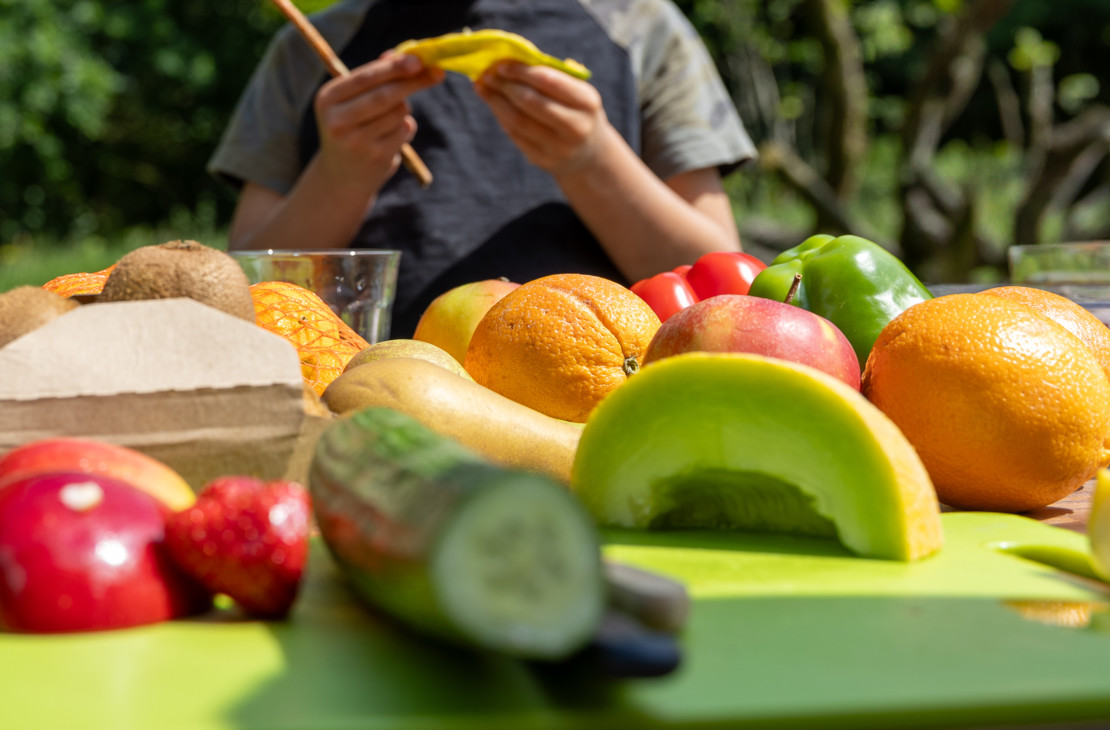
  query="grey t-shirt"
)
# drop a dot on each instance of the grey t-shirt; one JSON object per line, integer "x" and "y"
{"x": 489, "y": 213}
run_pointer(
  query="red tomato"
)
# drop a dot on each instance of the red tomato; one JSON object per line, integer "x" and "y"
{"x": 665, "y": 293}
{"x": 681, "y": 270}
{"x": 723, "y": 272}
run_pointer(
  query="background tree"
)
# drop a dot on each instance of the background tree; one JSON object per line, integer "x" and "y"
{"x": 108, "y": 110}
{"x": 946, "y": 130}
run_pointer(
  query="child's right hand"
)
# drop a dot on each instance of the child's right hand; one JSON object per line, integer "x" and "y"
{"x": 364, "y": 118}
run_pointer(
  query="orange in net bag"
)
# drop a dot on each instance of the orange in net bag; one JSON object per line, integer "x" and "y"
{"x": 79, "y": 284}
{"x": 324, "y": 342}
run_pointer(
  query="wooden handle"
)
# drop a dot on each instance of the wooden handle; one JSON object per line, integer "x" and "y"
{"x": 337, "y": 68}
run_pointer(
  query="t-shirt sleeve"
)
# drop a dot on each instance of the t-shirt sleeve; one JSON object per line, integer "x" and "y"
{"x": 260, "y": 142}
{"x": 689, "y": 121}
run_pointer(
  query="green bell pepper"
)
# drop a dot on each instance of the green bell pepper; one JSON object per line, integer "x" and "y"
{"x": 854, "y": 283}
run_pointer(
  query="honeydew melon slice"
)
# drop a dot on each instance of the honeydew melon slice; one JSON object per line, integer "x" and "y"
{"x": 1098, "y": 525}
{"x": 738, "y": 441}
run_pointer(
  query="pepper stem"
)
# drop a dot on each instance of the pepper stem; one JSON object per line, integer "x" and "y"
{"x": 793, "y": 288}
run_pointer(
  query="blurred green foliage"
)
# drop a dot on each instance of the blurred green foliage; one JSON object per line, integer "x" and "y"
{"x": 108, "y": 110}
{"x": 895, "y": 38}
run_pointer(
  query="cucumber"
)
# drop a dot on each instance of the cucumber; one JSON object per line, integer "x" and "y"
{"x": 452, "y": 545}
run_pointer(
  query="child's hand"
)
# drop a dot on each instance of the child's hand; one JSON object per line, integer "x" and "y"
{"x": 556, "y": 120}
{"x": 364, "y": 118}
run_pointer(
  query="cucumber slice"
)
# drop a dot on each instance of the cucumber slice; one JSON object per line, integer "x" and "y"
{"x": 528, "y": 559}
{"x": 455, "y": 546}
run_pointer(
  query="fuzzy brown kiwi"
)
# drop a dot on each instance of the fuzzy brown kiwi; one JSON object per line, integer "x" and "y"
{"x": 26, "y": 308}
{"x": 181, "y": 269}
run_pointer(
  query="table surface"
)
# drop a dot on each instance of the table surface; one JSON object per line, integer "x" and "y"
{"x": 1071, "y": 512}
{"x": 786, "y": 632}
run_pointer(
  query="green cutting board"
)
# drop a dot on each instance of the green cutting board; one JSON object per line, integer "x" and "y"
{"x": 784, "y": 632}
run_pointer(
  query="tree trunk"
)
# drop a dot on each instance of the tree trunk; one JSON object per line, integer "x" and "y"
{"x": 1071, "y": 153}
{"x": 844, "y": 109}
{"x": 953, "y": 71}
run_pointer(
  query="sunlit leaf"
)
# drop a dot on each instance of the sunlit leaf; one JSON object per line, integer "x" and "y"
{"x": 1031, "y": 50}
{"x": 1076, "y": 90}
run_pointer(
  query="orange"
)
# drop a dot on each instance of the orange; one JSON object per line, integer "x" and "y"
{"x": 1007, "y": 409}
{"x": 1066, "y": 313}
{"x": 324, "y": 342}
{"x": 561, "y": 343}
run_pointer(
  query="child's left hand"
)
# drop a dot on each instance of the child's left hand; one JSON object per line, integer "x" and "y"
{"x": 556, "y": 120}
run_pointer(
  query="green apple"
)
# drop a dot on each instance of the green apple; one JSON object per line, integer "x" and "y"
{"x": 450, "y": 319}
{"x": 749, "y": 442}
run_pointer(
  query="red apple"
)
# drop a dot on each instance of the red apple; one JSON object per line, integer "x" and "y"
{"x": 450, "y": 319}
{"x": 98, "y": 457}
{"x": 84, "y": 552}
{"x": 743, "y": 323}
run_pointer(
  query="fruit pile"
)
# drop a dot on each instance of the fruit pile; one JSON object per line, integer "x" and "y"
{"x": 989, "y": 401}
{"x": 826, "y": 394}
{"x": 324, "y": 342}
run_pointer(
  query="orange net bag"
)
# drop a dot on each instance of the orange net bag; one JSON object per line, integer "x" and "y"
{"x": 79, "y": 284}
{"x": 324, "y": 342}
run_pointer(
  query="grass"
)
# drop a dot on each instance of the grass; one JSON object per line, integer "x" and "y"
{"x": 35, "y": 261}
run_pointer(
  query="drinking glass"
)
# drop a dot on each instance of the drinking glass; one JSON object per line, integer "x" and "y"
{"x": 358, "y": 284}
{"x": 1078, "y": 271}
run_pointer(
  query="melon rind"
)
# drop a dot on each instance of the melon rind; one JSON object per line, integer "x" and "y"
{"x": 761, "y": 415}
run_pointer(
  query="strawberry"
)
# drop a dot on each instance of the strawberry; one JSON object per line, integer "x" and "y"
{"x": 247, "y": 539}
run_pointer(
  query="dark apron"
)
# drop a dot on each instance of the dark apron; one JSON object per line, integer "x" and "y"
{"x": 488, "y": 213}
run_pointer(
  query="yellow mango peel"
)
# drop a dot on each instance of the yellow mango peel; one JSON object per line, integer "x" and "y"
{"x": 472, "y": 52}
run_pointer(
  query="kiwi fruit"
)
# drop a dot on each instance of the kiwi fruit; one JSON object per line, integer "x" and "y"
{"x": 181, "y": 268}
{"x": 26, "y": 308}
